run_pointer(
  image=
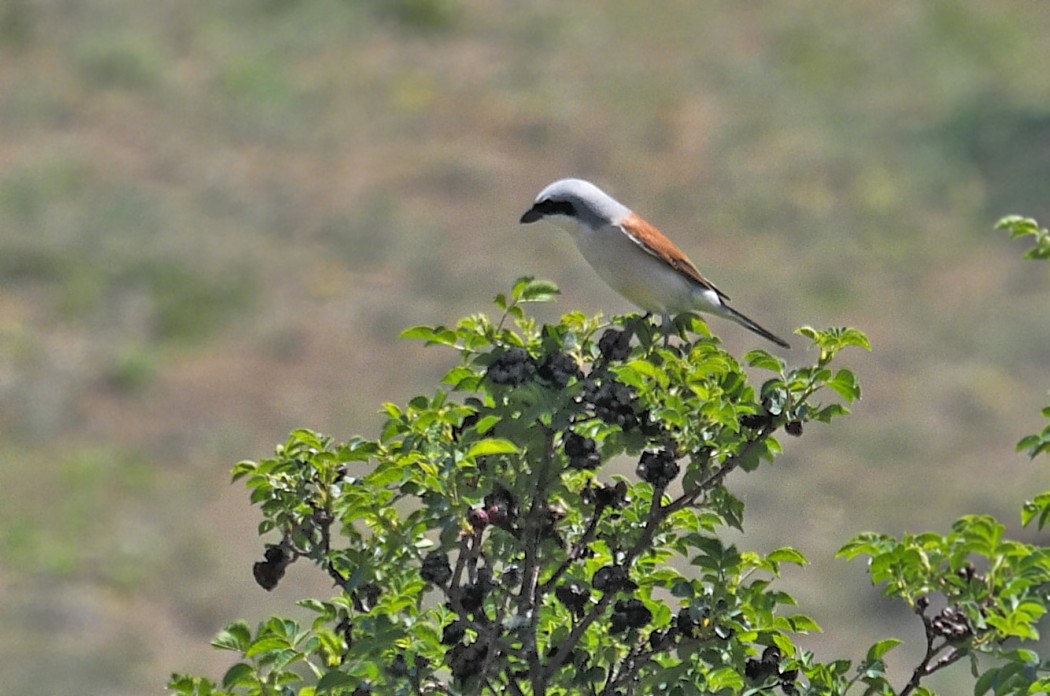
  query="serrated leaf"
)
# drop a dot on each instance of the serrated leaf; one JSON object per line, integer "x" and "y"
{"x": 266, "y": 645}
{"x": 336, "y": 680}
{"x": 237, "y": 636}
{"x": 491, "y": 446}
{"x": 486, "y": 424}
{"x": 788, "y": 555}
{"x": 430, "y": 334}
{"x": 764, "y": 361}
{"x": 878, "y": 650}
{"x": 536, "y": 291}
{"x": 845, "y": 384}
{"x": 240, "y": 674}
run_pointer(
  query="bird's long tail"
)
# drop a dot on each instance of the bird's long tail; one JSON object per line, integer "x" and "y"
{"x": 730, "y": 313}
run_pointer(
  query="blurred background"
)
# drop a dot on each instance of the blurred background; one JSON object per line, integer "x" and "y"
{"x": 216, "y": 218}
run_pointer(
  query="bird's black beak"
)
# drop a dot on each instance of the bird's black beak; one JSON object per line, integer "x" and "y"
{"x": 531, "y": 215}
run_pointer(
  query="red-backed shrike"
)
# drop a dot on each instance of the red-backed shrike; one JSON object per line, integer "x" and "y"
{"x": 631, "y": 255}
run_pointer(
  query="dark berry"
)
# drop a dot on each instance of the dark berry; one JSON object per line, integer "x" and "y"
{"x": 501, "y": 506}
{"x": 478, "y": 518}
{"x": 630, "y": 613}
{"x": 575, "y": 596}
{"x": 661, "y": 640}
{"x": 472, "y": 597}
{"x": 755, "y": 421}
{"x": 453, "y": 633}
{"x": 692, "y": 622}
{"x": 612, "y": 578}
{"x": 658, "y": 468}
{"x": 436, "y": 568}
{"x": 615, "y": 345}
{"x": 270, "y": 571}
{"x": 582, "y": 452}
{"x": 466, "y": 660}
{"x": 559, "y": 369}
{"x": 606, "y": 495}
{"x": 367, "y": 596}
{"x": 613, "y": 403}
{"x": 952, "y": 624}
{"x": 468, "y": 422}
{"x": 793, "y": 428}
{"x": 511, "y": 368}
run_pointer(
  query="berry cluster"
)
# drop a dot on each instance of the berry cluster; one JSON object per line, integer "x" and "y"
{"x": 454, "y": 632}
{"x": 515, "y": 366}
{"x": 613, "y": 403}
{"x": 511, "y": 368}
{"x": 502, "y": 507}
{"x": 582, "y": 452}
{"x": 615, "y": 346}
{"x": 658, "y": 468}
{"x": 559, "y": 369}
{"x": 630, "y": 613}
{"x": 755, "y": 421}
{"x": 606, "y": 496}
{"x": 575, "y": 596}
{"x": 952, "y": 624}
{"x": 436, "y": 568}
{"x": 768, "y": 666}
{"x": 612, "y": 578}
{"x": 269, "y": 572}
{"x": 466, "y": 660}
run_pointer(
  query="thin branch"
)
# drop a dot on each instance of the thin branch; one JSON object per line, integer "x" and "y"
{"x": 928, "y": 666}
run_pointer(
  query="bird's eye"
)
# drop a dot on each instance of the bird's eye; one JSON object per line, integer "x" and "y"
{"x": 553, "y": 207}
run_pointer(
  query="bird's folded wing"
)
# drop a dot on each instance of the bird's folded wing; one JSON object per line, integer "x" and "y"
{"x": 654, "y": 242}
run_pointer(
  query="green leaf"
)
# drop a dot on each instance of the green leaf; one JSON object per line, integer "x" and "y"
{"x": 241, "y": 674}
{"x": 430, "y": 334}
{"x": 266, "y": 645}
{"x": 877, "y": 651}
{"x": 845, "y": 385}
{"x": 336, "y": 680}
{"x": 763, "y": 360}
{"x": 788, "y": 555}
{"x": 237, "y": 636}
{"x": 529, "y": 290}
{"x": 491, "y": 446}
{"x": 1038, "y": 508}
{"x": 803, "y": 624}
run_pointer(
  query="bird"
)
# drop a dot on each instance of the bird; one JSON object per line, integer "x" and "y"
{"x": 632, "y": 256}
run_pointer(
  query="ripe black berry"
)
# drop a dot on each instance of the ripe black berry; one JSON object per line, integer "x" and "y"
{"x": 501, "y": 507}
{"x": 582, "y": 452}
{"x": 793, "y": 428}
{"x": 614, "y": 496}
{"x": 613, "y": 403}
{"x": 466, "y": 660}
{"x": 436, "y": 568}
{"x": 559, "y": 369}
{"x": 511, "y": 368}
{"x": 270, "y": 571}
{"x": 454, "y": 632}
{"x": 615, "y": 345}
{"x": 472, "y": 597}
{"x": 574, "y": 596}
{"x": 952, "y": 624}
{"x": 612, "y": 578}
{"x": 755, "y": 421}
{"x": 658, "y": 468}
{"x": 630, "y": 613}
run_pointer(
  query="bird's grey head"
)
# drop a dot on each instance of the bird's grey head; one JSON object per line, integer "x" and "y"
{"x": 571, "y": 202}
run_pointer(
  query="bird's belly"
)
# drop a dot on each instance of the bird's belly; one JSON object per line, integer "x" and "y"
{"x": 642, "y": 278}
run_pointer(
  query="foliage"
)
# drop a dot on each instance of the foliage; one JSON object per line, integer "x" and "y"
{"x": 481, "y": 544}
{"x": 1019, "y": 227}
